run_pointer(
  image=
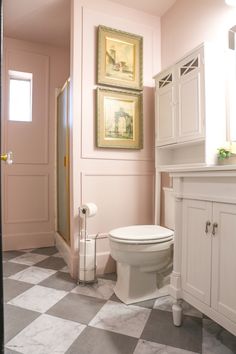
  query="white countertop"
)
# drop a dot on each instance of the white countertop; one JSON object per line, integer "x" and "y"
{"x": 196, "y": 168}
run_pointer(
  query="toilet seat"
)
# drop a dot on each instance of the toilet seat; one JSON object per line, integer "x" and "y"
{"x": 141, "y": 234}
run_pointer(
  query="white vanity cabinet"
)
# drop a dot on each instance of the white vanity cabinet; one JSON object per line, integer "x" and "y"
{"x": 204, "y": 271}
{"x": 190, "y": 106}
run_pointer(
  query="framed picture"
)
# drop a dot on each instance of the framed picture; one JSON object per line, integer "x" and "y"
{"x": 119, "y": 119}
{"x": 120, "y": 56}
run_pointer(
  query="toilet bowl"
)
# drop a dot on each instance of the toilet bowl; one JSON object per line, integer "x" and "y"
{"x": 141, "y": 252}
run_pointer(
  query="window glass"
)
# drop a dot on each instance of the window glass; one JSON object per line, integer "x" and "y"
{"x": 20, "y": 96}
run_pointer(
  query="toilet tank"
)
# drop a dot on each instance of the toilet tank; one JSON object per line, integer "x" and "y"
{"x": 169, "y": 208}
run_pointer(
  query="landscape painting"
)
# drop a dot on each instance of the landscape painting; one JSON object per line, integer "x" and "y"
{"x": 119, "y": 119}
{"x": 119, "y": 58}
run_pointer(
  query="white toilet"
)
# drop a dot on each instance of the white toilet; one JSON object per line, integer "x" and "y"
{"x": 141, "y": 251}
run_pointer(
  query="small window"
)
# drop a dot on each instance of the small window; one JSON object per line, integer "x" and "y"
{"x": 20, "y": 96}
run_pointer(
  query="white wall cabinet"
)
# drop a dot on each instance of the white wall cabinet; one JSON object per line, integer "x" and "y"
{"x": 191, "y": 107}
{"x": 165, "y": 109}
{"x": 190, "y": 98}
{"x": 205, "y": 241}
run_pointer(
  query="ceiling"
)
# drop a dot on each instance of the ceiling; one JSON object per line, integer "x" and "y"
{"x": 48, "y": 21}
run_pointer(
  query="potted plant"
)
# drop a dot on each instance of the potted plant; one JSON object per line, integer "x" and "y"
{"x": 226, "y": 157}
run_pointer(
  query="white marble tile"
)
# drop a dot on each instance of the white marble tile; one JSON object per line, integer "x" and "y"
{"x": 145, "y": 347}
{"x": 211, "y": 341}
{"x": 58, "y": 254}
{"x": 38, "y": 298}
{"x": 65, "y": 269}
{"x": 120, "y": 318}
{"x": 33, "y": 275}
{"x": 46, "y": 335}
{"x": 165, "y": 303}
{"x": 103, "y": 289}
{"x": 29, "y": 259}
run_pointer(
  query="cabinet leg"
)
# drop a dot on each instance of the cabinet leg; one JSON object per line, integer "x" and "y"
{"x": 177, "y": 313}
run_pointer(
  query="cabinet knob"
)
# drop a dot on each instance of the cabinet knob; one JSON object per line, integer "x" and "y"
{"x": 215, "y": 225}
{"x": 208, "y": 223}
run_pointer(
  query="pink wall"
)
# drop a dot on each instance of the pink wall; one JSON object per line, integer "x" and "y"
{"x": 29, "y": 184}
{"x": 189, "y": 23}
{"x": 120, "y": 182}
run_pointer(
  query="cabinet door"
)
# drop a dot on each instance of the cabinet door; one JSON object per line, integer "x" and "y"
{"x": 196, "y": 248}
{"x": 165, "y": 110}
{"x": 190, "y": 99}
{"x": 224, "y": 260}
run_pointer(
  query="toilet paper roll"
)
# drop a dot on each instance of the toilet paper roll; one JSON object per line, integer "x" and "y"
{"x": 87, "y": 260}
{"x": 90, "y": 209}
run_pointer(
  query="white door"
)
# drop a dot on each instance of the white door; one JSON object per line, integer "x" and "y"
{"x": 165, "y": 110}
{"x": 196, "y": 248}
{"x": 28, "y": 184}
{"x": 190, "y": 99}
{"x": 224, "y": 260}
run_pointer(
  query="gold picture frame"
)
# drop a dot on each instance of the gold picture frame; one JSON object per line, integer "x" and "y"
{"x": 119, "y": 119}
{"x": 120, "y": 58}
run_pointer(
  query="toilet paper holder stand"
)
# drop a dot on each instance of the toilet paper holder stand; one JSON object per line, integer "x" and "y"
{"x": 87, "y": 272}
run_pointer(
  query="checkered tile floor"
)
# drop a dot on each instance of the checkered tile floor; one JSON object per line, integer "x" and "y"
{"x": 46, "y": 312}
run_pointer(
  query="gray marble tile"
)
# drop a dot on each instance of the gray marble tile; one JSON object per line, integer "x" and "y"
{"x": 38, "y": 298}
{"x": 29, "y": 259}
{"x": 49, "y": 251}
{"x": 7, "y": 255}
{"x": 103, "y": 289}
{"x": 12, "y": 268}
{"x": 78, "y": 308}
{"x": 33, "y": 275}
{"x": 165, "y": 303}
{"x": 60, "y": 281}
{"x": 46, "y": 335}
{"x": 97, "y": 341}
{"x": 145, "y": 347}
{"x": 13, "y": 288}
{"x": 217, "y": 340}
{"x": 120, "y": 318}
{"x": 16, "y": 319}
{"x": 160, "y": 329}
{"x": 51, "y": 262}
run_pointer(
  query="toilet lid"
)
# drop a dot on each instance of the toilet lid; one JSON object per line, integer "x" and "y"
{"x": 142, "y": 233}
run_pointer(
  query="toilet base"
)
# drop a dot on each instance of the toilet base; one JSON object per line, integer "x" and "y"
{"x": 134, "y": 285}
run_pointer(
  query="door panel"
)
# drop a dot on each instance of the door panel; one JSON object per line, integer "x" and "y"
{"x": 196, "y": 249}
{"x": 224, "y": 260}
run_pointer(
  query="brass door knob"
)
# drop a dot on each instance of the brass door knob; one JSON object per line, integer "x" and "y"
{"x": 7, "y": 157}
